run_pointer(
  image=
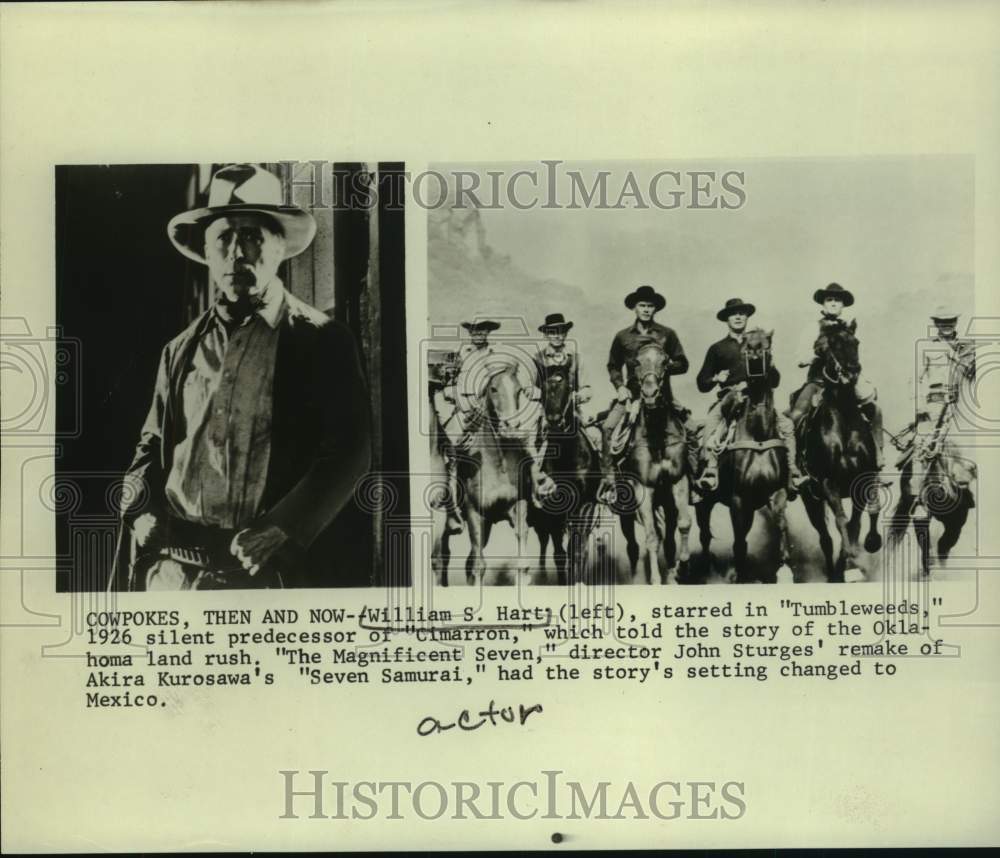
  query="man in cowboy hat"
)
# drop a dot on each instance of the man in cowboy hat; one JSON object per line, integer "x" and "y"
{"x": 623, "y": 363}
{"x": 555, "y": 357}
{"x": 449, "y": 405}
{"x": 259, "y": 426}
{"x": 833, "y": 299}
{"x": 948, "y": 363}
{"x": 724, "y": 367}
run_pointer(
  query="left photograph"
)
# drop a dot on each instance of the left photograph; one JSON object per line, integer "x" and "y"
{"x": 240, "y": 419}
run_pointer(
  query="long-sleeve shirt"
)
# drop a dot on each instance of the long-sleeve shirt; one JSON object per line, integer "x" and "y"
{"x": 625, "y": 350}
{"x": 725, "y": 354}
{"x": 947, "y": 363}
{"x": 220, "y": 466}
{"x": 549, "y": 361}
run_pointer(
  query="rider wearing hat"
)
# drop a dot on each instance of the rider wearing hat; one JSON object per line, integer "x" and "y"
{"x": 725, "y": 368}
{"x": 446, "y": 403}
{"x": 556, "y": 357}
{"x": 622, "y": 370}
{"x": 833, "y": 299}
{"x": 948, "y": 363}
{"x": 245, "y": 468}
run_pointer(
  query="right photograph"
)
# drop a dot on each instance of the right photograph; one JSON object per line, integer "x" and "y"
{"x": 704, "y": 372}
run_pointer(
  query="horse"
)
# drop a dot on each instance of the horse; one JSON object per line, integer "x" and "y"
{"x": 657, "y": 472}
{"x": 944, "y": 494}
{"x": 753, "y": 466}
{"x": 838, "y": 452}
{"x": 573, "y": 462}
{"x": 498, "y": 467}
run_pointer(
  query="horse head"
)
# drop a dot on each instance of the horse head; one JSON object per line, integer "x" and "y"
{"x": 756, "y": 352}
{"x": 652, "y": 373}
{"x": 838, "y": 349}
{"x": 557, "y": 398}
{"x": 511, "y": 405}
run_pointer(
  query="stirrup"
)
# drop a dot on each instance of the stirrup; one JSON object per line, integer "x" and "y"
{"x": 607, "y": 491}
{"x": 709, "y": 480}
{"x": 453, "y": 523}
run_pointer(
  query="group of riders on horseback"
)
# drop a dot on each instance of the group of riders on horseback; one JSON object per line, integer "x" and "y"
{"x": 825, "y": 445}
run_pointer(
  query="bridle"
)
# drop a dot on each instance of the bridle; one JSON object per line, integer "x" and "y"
{"x": 561, "y": 419}
{"x": 842, "y": 376}
{"x": 756, "y": 360}
{"x": 656, "y": 374}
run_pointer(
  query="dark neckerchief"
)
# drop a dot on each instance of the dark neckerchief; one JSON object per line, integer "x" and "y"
{"x": 234, "y": 313}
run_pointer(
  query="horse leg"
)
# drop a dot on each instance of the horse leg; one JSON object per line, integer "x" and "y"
{"x": 631, "y": 543}
{"x": 847, "y": 561}
{"x": 646, "y": 514}
{"x": 953, "y": 525}
{"x": 559, "y": 551}
{"x": 816, "y": 510}
{"x": 873, "y": 541}
{"x": 704, "y": 513}
{"x": 542, "y": 529}
{"x": 475, "y": 564}
{"x": 922, "y": 530}
{"x": 854, "y": 522}
{"x": 669, "y": 538}
{"x": 520, "y": 521}
{"x": 778, "y": 506}
{"x": 742, "y": 518}
{"x": 682, "y": 494}
{"x": 441, "y": 550}
{"x": 574, "y": 549}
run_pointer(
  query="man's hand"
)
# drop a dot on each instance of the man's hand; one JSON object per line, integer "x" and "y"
{"x": 583, "y": 395}
{"x": 721, "y": 376}
{"x": 255, "y": 546}
{"x": 624, "y": 395}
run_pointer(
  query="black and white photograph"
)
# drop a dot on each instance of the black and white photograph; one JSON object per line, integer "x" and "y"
{"x": 242, "y": 332}
{"x": 700, "y": 372}
{"x": 580, "y": 422}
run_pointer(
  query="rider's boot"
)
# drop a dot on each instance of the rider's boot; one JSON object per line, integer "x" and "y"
{"x": 693, "y": 459}
{"x": 453, "y": 524}
{"x": 800, "y": 406}
{"x": 607, "y": 491}
{"x": 709, "y": 480}
{"x": 786, "y": 431}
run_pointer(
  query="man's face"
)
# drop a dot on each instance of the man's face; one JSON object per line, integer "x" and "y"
{"x": 479, "y": 338}
{"x": 644, "y": 311}
{"x": 946, "y": 330}
{"x": 833, "y": 306}
{"x": 555, "y": 338}
{"x": 737, "y": 322}
{"x": 243, "y": 254}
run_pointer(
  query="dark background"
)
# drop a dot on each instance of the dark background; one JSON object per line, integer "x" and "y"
{"x": 123, "y": 291}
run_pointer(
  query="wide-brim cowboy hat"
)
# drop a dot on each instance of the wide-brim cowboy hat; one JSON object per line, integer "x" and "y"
{"x": 555, "y": 322}
{"x": 944, "y": 313}
{"x": 241, "y": 189}
{"x": 834, "y": 290}
{"x": 645, "y": 293}
{"x": 481, "y": 325}
{"x": 735, "y": 305}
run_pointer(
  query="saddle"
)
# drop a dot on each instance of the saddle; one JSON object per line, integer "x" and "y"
{"x": 623, "y": 435}
{"x": 728, "y": 440}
